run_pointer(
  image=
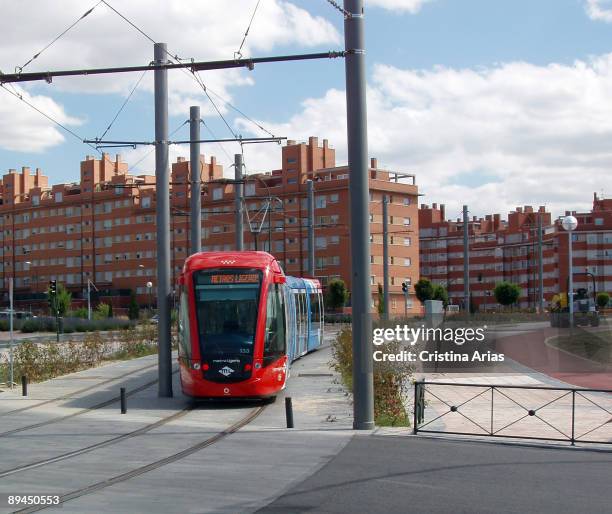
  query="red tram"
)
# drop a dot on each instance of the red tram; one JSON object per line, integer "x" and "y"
{"x": 232, "y": 325}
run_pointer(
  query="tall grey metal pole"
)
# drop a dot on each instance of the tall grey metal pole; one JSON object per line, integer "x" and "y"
{"x": 466, "y": 259}
{"x": 311, "y": 242}
{"x": 162, "y": 185}
{"x": 196, "y": 187}
{"x": 238, "y": 194}
{"x": 540, "y": 264}
{"x": 357, "y": 136}
{"x": 88, "y": 300}
{"x": 11, "y": 356}
{"x": 570, "y": 289}
{"x": 385, "y": 202}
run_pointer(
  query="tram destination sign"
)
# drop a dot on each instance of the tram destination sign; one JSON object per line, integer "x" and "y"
{"x": 229, "y": 278}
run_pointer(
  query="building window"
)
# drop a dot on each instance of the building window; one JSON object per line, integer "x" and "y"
{"x": 407, "y": 201}
{"x": 407, "y": 241}
{"x": 58, "y": 197}
{"x": 333, "y": 198}
{"x": 292, "y": 181}
{"x": 291, "y": 160}
{"x": 146, "y": 201}
{"x": 372, "y": 280}
{"x": 406, "y": 221}
{"x": 408, "y": 261}
{"x": 217, "y": 193}
{"x": 249, "y": 189}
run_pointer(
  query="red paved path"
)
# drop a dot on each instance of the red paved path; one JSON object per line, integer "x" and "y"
{"x": 530, "y": 349}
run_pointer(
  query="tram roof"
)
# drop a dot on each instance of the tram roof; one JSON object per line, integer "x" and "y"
{"x": 248, "y": 259}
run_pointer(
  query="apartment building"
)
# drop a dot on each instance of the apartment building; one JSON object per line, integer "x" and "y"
{"x": 101, "y": 230}
{"x": 508, "y": 250}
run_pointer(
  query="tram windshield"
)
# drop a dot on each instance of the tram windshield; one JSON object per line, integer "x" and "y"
{"x": 226, "y": 306}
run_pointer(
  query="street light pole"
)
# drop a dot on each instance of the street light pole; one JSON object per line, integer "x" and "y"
{"x": 569, "y": 223}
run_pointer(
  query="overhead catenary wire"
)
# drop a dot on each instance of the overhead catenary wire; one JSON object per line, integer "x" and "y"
{"x": 50, "y": 118}
{"x": 153, "y": 149}
{"x": 238, "y": 54}
{"x": 123, "y": 105}
{"x": 19, "y": 69}
{"x": 126, "y": 19}
{"x": 339, "y": 8}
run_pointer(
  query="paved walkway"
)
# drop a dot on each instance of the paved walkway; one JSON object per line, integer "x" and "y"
{"x": 239, "y": 472}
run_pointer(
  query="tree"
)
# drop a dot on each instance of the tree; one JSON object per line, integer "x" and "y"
{"x": 602, "y": 300}
{"x": 440, "y": 293}
{"x": 506, "y": 293}
{"x": 424, "y": 290}
{"x": 60, "y": 301}
{"x": 336, "y": 295}
{"x": 133, "y": 308}
{"x": 381, "y": 300}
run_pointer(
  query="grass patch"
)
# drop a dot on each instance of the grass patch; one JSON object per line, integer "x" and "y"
{"x": 594, "y": 346}
{"x": 43, "y": 361}
{"x": 391, "y": 380}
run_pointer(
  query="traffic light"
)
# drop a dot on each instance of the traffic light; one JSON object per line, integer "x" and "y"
{"x": 404, "y": 287}
{"x": 53, "y": 286}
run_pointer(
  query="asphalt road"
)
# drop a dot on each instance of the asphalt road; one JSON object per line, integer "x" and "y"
{"x": 410, "y": 474}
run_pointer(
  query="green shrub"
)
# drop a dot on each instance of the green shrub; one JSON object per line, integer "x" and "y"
{"x": 82, "y": 313}
{"x": 30, "y": 325}
{"x": 390, "y": 379}
{"x": 4, "y": 325}
{"x": 102, "y": 311}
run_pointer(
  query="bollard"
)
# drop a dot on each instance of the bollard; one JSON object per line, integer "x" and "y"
{"x": 24, "y": 385}
{"x": 289, "y": 412}
{"x": 123, "y": 401}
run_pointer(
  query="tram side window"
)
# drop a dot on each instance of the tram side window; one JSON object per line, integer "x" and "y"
{"x": 275, "y": 344}
{"x": 183, "y": 326}
{"x": 315, "y": 308}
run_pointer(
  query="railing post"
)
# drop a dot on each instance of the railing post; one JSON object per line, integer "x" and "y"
{"x": 492, "y": 391}
{"x": 415, "y": 428}
{"x": 573, "y": 417}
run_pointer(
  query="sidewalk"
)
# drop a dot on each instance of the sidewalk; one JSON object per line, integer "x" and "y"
{"x": 238, "y": 473}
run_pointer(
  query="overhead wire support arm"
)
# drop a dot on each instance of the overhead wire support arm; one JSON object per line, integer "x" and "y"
{"x": 246, "y": 140}
{"x": 193, "y": 66}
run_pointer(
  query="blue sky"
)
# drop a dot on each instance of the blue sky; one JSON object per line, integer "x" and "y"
{"x": 478, "y": 98}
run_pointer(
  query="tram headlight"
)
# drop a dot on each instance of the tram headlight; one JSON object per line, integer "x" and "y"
{"x": 196, "y": 365}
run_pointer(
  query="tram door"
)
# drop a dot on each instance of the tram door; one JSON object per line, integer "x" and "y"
{"x": 302, "y": 321}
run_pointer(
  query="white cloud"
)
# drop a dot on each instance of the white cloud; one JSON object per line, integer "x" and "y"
{"x": 493, "y": 138}
{"x": 599, "y": 10}
{"x": 23, "y": 129}
{"x": 411, "y": 6}
{"x": 200, "y": 30}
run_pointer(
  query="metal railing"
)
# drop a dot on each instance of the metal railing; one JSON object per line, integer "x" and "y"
{"x": 497, "y": 412}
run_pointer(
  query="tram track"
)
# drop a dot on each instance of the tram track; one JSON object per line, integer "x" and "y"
{"x": 84, "y": 410}
{"x": 92, "y": 488}
{"x": 79, "y": 391}
{"x": 96, "y": 446}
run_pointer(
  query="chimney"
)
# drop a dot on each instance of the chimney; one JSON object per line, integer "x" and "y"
{"x": 442, "y": 211}
{"x": 434, "y": 206}
{"x": 374, "y": 163}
